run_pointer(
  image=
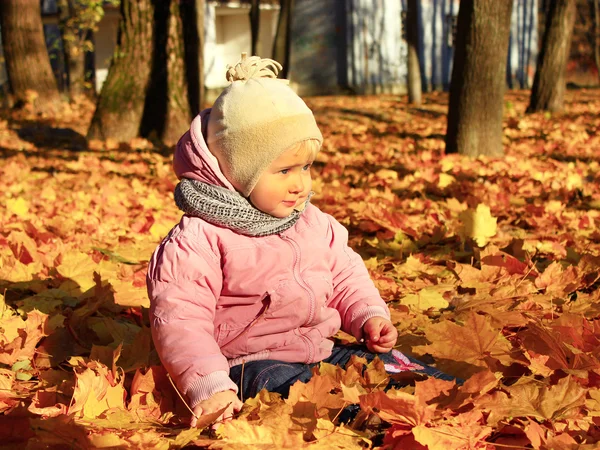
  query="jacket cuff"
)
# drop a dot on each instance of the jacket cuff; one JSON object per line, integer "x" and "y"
{"x": 204, "y": 387}
{"x": 362, "y": 315}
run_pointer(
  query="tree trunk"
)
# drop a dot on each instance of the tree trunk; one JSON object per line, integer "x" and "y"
{"x": 479, "y": 78}
{"x": 121, "y": 102}
{"x": 412, "y": 40}
{"x": 192, "y": 19}
{"x": 596, "y": 34}
{"x": 26, "y": 55}
{"x": 74, "y": 54}
{"x": 283, "y": 38}
{"x": 254, "y": 24}
{"x": 167, "y": 112}
{"x": 549, "y": 83}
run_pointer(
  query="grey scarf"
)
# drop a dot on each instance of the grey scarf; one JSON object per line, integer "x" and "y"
{"x": 225, "y": 208}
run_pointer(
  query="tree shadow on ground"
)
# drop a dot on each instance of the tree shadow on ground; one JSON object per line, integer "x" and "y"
{"x": 45, "y": 136}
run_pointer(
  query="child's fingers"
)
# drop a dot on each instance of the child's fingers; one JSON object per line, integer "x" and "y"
{"x": 386, "y": 339}
{"x": 198, "y": 412}
{"x": 373, "y": 330}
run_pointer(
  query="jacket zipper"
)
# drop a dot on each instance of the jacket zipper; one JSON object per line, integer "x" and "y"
{"x": 311, "y": 297}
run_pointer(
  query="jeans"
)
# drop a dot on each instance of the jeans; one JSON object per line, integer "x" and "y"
{"x": 278, "y": 376}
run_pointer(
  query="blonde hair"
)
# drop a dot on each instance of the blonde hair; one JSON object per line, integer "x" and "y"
{"x": 308, "y": 147}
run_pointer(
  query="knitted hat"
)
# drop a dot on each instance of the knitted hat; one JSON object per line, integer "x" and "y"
{"x": 254, "y": 120}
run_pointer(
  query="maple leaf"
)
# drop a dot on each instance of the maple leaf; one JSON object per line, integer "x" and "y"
{"x": 555, "y": 280}
{"x": 128, "y": 295}
{"x": 20, "y": 337}
{"x": 152, "y": 395}
{"x": 18, "y": 206}
{"x": 548, "y": 342}
{"x": 529, "y": 398}
{"x": 241, "y": 434}
{"x": 492, "y": 256}
{"x": 96, "y": 391}
{"x": 398, "y": 407}
{"x": 464, "y": 349}
{"x": 478, "y": 224}
{"x": 319, "y": 391}
{"x": 8, "y": 397}
{"x": 329, "y": 436}
{"x": 58, "y": 432}
{"x": 426, "y": 298}
{"x": 78, "y": 267}
{"x": 47, "y": 403}
{"x": 452, "y": 437}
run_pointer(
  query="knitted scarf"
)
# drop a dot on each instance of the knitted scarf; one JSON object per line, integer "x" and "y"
{"x": 226, "y": 208}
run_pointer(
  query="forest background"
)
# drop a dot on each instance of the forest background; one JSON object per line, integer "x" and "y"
{"x": 476, "y": 211}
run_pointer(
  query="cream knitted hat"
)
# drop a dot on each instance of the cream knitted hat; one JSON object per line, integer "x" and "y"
{"x": 254, "y": 120}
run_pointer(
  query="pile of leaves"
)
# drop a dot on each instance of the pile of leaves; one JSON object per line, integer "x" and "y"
{"x": 491, "y": 268}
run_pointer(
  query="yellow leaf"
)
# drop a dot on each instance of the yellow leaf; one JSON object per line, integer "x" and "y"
{"x": 452, "y": 437}
{"x": 241, "y": 434}
{"x": 15, "y": 271}
{"x": 554, "y": 206}
{"x": 351, "y": 394}
{"x": 94, "y": 393}
{"x": 329, "y": 436}
{"x": 429, "y": 297}
{"x": 18, "y": 206}
{"x": 445, "y": 180}
{"x": 530, "y": 398}
{"x": 79, "y": 267}
{"x": 479, "y": 224}
{"x": 161, "y": 228}
{"x": 465, "y": 345}
{"x": 574, "y": 181}
{"x": 126, "y": 294}
{"x": 106, "y": 439}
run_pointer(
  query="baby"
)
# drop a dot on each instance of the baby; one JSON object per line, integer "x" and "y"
{"x": 248, "y": 289}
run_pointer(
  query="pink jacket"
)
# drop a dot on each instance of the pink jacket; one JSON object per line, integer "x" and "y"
{"x": 219, "y": 298}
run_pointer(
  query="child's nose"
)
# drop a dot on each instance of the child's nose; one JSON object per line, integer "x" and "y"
{"x": 297, "y": 185}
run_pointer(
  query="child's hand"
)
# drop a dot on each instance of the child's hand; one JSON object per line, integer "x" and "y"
{"x": 379, "y": 334}
{"x": 216, "y": 402}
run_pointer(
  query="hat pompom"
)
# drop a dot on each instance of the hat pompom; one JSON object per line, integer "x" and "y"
{"x": 253, "y": 67}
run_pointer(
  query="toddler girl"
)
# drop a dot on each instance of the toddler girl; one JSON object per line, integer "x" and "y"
{"x": 254, "y": 280}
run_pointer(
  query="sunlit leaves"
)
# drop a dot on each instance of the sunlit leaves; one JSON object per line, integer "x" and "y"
{"x": 491, "y": 269}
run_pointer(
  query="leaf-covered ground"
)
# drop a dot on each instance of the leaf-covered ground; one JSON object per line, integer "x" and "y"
{"x": 491, "y": 269}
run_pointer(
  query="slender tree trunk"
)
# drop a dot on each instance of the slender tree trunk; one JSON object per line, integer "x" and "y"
{"x": 192, "y": 19}
{"x": 200, "y": 5}
{"x": 549, "y": 83}
{"x": 121, "y": 102}
{"x": 479, "y": 78}
{"x": 283, "y": 38}
{"x": 254, "y": 24}
{"x": 26, "y": 55}
{"x": 74, "y": 54}
{"x": 596, "y": 34}
{"x": 412, "y": 39}
{"x": 167, "y": 112}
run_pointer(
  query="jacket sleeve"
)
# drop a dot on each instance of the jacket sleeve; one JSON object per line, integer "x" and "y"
{"x": 184, "y": 282}
{"x": 354, "y": 294}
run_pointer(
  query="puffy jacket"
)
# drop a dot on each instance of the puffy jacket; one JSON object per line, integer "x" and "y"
{"x": 219, "y": 298}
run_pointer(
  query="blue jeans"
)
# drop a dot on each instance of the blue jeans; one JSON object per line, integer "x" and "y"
{"x": 278, "y": 376}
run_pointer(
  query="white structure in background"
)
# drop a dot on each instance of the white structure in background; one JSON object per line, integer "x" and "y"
{"x": 358, "y": 44}
{"x": 227, "y": 35}
{"x": 337, "y": 45}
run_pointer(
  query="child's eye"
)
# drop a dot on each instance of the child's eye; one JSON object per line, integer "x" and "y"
{"x": 306, "y": 167}
{"x": 284, "y": 171}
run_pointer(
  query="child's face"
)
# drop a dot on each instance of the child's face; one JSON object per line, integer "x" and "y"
{"x": 284, "y": 185}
